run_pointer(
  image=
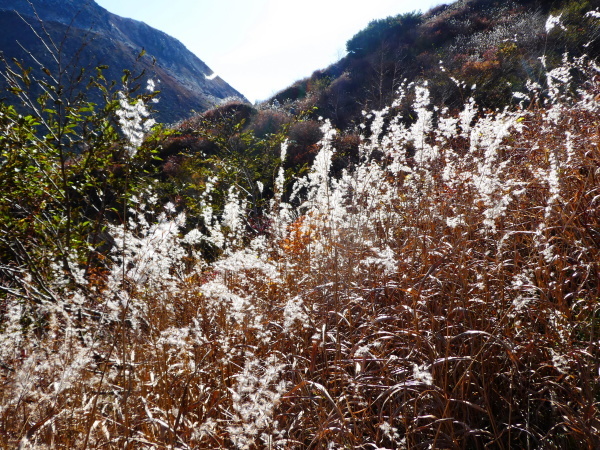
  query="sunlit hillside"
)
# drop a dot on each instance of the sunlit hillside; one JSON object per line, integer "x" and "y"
{"x": 429, "y": 279}
{"x": 495, "y": 44}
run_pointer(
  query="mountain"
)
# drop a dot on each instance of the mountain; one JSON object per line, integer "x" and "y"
{"x": 485, "y": 49}
{"x": 89, "y": 35}
{"x": 495, "y": 45}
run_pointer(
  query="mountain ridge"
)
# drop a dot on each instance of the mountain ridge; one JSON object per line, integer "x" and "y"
{"x": 105, "y": 38}
{"x": 495, "y": 45}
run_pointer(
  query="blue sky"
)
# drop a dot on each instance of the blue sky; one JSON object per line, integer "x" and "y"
{"x": 263, "y": 46}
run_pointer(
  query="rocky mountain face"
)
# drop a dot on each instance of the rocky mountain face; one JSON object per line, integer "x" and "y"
{"x": 88, "y": 35}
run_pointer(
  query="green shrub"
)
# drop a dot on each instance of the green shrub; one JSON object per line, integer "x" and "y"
{"x": 68, "y": 166}
{"x": 391, "y": 28}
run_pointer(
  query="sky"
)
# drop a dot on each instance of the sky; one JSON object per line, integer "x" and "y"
{"x": 260, "y": 47}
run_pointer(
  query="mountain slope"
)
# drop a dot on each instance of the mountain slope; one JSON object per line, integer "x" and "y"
{"x": 90, "y": 36}
{"x": 496, "y": 45}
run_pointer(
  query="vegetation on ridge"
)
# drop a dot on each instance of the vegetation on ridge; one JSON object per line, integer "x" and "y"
{"x": 494, "y": 44}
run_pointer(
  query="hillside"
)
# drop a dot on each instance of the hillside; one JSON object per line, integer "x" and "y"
{"x": 258, "y": 277}
{"x": 496, "y": 45}
{"x": 90, "y": 36}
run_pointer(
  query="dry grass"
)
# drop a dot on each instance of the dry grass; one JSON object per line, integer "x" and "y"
{"x": 394, "y": 309}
